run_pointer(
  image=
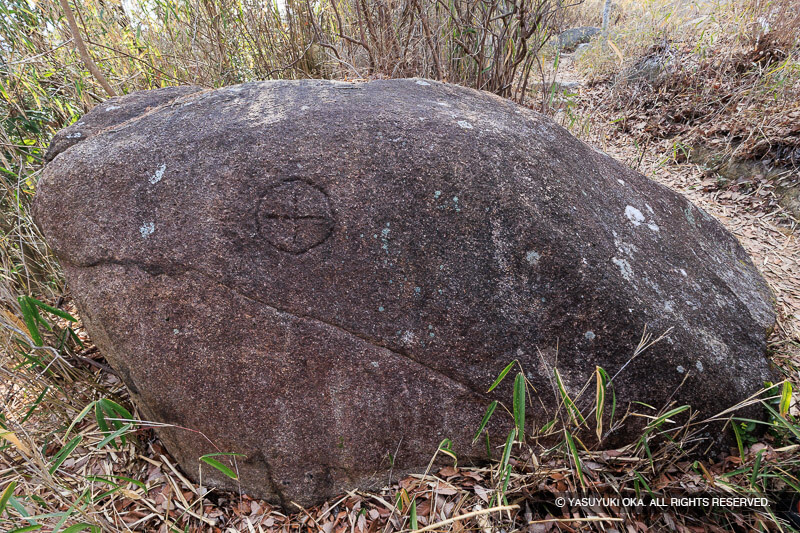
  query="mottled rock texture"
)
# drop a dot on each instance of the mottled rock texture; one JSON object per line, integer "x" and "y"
{"x": 323, "y": 275}
{"x": 112, "y": 112}
{"x": 569, "y": 40}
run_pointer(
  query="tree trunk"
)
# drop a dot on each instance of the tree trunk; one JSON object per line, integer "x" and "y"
{"x": 606, "y": 13}
{"x": 81, "y": 46}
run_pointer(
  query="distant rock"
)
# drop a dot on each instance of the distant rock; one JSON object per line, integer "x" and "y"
{"x": 326, "y": 276}
{"x": 569, "y": 40}
{"x": 558, "y": 86}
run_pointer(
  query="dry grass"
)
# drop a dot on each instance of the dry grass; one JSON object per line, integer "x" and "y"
{"x": 729, "y": 79}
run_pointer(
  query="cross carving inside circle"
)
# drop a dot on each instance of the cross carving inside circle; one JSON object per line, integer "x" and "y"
{"x": 294, "y": 216}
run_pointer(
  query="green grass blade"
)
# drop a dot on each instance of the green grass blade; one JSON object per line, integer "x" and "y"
{"x": 573, "y": 450}
{"x": 52, "y": 310}
{"x": 29, "y": 317}
{"x": 572, "y": 410}
{"x": 485, "y": 420}
{"x": 501, "y": 376}
{"x": 209, "y": 459}
{"x": 786, "y": 398}
{"x": 62, "y": 455}
{"x": 35, "y": 404}
{"x": 112, "y": 436}
{"x": 756, "y": 468}
{"x": 6, "y": 495}
{"x": 507, "y": 449}
{"x": 738, "y": 434}
{"x": 783, "y": 422}
{"x": 600, "y": 399}
{"x": 519, "y": 406}
{"x": 80, "y": 417}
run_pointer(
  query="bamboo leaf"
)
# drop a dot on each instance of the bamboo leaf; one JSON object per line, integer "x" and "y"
{"x": 62, "y": 455}
{"x": 6, "y": 495}
{"x": 519, "y": 405}
{"x": 209, "y": 459}
{"x": 739, "y": 443}
{"x": 600, "y": 399}
{"x": 786, "y": 398}
{"x": 507, "y": 449}
{"x": 574, "y": 452}
{"x": 572, "y": 410}
{"x": 112, "y": 436}
{"x": 485, "y": 420}
{"x": 29, "y": 317}
{"x": 52, "y": 310}
{"x": 80, "y": 417}
{"x": 502, "y": 375}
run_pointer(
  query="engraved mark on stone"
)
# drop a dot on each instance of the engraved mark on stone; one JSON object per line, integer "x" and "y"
{"x": 295, "y": 216}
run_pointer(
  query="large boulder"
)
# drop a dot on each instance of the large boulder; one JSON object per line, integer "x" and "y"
{"x": 327, "y": 276}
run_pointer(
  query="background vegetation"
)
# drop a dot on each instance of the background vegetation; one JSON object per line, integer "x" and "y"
{"x": 683, "y": 90}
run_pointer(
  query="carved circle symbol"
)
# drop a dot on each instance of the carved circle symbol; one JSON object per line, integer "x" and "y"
{"x": 295, "y": 216}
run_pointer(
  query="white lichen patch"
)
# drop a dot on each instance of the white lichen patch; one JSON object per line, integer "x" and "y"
{"x": 624, "y": 267}
{"x": 533, "y": 257}
{"x": 158, "y": 174}
{"x": 634, "y": 215}
{"x": 76, "y": 135}
{"x": 627, "y": 249}
{"x": 464, "y": 124}
{"x": 621, "y": 182}
{"x": 680, "y": 369}
{"x": 112, "y": 107}
{"x": 422, "y": 82}
{"x": 147, "y": 229}
{"x": 443, "y": 104}
{"x": 304, "y": 108}
{"x": 589, "y": 335}
{"x": 637, "y": 218}
{"x": 699, "y": 366}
